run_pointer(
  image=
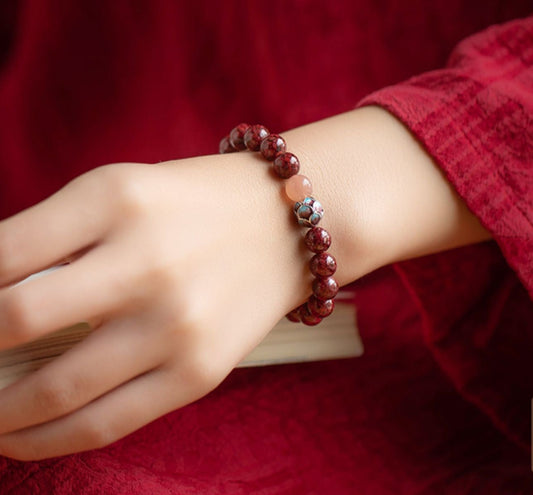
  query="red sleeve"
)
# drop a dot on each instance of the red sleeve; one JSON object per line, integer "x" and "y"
{"x": 475, "y": 117}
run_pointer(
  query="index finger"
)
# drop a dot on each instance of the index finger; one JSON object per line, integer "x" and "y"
{"x": 47, "y": 233}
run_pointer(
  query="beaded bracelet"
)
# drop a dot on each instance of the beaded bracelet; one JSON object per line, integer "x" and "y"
{"x": 308, "y": 212}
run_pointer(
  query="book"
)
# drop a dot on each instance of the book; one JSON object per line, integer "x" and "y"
{"x": 336, "y": 337}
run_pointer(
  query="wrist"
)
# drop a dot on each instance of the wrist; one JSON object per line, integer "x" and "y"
{"x": 336, "y": 157}
{"x": 385, "y": 198}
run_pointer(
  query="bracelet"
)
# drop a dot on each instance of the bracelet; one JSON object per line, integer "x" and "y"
{"x": 308, "y": 212}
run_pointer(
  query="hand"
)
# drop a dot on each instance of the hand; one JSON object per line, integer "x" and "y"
{"x": 181, "y": 269}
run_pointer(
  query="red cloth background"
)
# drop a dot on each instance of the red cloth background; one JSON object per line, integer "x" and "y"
{"x": 86, "y": 83}
{"x": 474, "y": 117}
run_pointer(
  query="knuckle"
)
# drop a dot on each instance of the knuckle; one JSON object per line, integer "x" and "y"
{"x": 203, "y": 371}
{"x": 117, "y": 185}
{"x": 127, "y": 191}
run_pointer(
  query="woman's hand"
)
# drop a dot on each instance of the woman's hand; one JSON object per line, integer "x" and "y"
{"x": 182, "y": 268}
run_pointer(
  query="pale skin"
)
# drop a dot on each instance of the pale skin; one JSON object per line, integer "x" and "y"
{"x": 183, "y": 267}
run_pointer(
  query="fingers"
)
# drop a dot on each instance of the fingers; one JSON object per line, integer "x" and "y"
{"x": 82, "y": 291}
{"x": 101, "y": 422}
{"x": 48, "y": 232}
{"x": 114, "y": 354}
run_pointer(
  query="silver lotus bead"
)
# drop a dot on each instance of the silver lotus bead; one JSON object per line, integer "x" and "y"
{"x": 308, "y": 212}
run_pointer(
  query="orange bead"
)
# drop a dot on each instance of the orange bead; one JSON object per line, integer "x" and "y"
{"x": 298, "y": 187}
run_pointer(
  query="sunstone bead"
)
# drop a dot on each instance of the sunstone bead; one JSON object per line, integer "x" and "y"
{"x": 317, "y": 240}
{"x": 298, "y": 187}
{"x": 225, "y": 146}
{"x": 325, "y": 288}
{"x": 308, "y": 318}
{"x": 286, "y": 165}
{"x": 320, "y": 308}
{"x": 272, "y": 146}
{"x": 323, "y": 265}
{"x": 254, "y": 135}
{"x": 236, "y": 136}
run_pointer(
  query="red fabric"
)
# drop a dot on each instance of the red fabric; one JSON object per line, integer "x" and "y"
{"x": 86, "y": 83}
{"x": 476, "y": 119}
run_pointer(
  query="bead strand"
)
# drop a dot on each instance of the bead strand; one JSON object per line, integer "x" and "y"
{"x": 308, "y": 212}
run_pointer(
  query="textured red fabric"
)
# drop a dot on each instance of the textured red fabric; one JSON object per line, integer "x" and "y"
{"x": 475, "y": 118}
{"x": 86, "y": 83}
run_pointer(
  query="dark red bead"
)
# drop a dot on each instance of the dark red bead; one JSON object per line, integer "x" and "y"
{"x": 323, "y": 265}
{"x": 225, "y": 146}
{"x": 286, "y": 165}
{"x": 294, "y": 315}
{"x": 272, "y": 146}
{"x": 317, "y": 239}
{"x": 325, "y": 288}
{"x": 307, "y": 317}
{"x": 320, "y": 308}
{"x": 254, "y": 135}
{"x": 236, "y": 136}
